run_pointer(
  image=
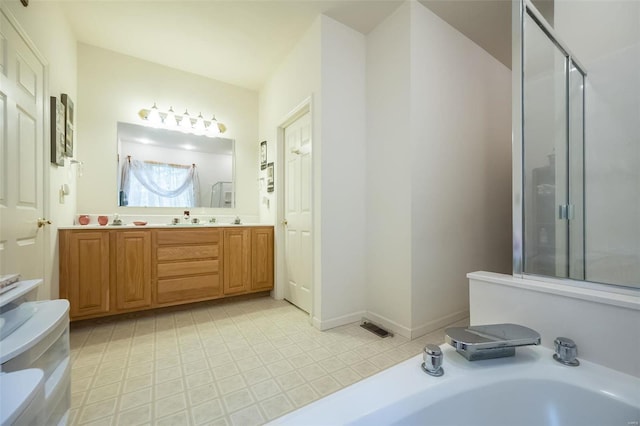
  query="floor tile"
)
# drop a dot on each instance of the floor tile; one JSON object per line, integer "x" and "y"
{"x": 237, "y": 400}
{"x": 205, "y": 413}
{"x": 276, "y": 406}
{"x": 135, "y": 416}
{"x": 302, "y": 395}
{"x": 170, "y": 405}
{"x": 250, "y": 416}
{"x": 237, "y": 363}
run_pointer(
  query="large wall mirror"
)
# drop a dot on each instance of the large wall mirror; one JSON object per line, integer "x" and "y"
{"x": 170, "y": 168}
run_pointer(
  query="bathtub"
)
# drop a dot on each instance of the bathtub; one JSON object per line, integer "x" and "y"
{"x": 529, "y": 389}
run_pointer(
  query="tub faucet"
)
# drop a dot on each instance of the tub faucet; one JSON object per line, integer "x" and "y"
{"x": 490, "y": 341}
{"x": 432, "y": 357}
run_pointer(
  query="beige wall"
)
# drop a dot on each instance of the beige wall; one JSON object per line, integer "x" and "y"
{"x": 438, "y": 170}
{"x": 113, "y": 87}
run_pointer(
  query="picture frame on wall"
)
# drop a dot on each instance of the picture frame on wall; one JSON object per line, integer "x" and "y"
{"x": 263, "y": 155}
{"x": 57, "y": 131}
{"x": 69, "y": 124}
{"x": 270, "y": 177}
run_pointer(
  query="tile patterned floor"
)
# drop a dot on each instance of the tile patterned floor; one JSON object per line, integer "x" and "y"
{"x": 238, "y": 363}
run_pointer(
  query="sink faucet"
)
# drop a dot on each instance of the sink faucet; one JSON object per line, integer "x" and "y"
{"x": 490, "y": 341}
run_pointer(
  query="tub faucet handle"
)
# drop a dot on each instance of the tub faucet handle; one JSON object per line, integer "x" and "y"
{"x": 432, "y": 356}
{"x": 566, "y": 351}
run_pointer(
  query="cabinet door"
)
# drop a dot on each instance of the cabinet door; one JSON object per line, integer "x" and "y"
{"x": 262, "y": 259}
{"x": 237, "y": 261}
{"x": 87, "y": 274}
{"x": 133, "y": 269}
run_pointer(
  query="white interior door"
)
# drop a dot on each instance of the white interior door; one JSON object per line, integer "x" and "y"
{"x": 21, "y": 155}
{"x": 297, "y": 204}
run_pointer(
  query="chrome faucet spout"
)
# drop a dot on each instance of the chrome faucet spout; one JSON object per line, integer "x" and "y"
{"x": 490, "y": 341}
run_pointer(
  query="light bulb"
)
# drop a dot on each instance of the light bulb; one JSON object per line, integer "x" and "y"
{"x": 170, "y": 119}
{"x": 199, "y": 126}
{"x": 185, "y": 123}
{"x": 154, "y": 115}
{"x": 213, "y": 129}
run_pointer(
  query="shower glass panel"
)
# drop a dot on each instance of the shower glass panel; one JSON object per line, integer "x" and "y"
{"x": 545, "y": 152}
{"x": 576, "y": 173}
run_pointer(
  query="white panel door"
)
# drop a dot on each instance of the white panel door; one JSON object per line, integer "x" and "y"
{"x": 21, "y": 155}
{"x": 297, "y": 204}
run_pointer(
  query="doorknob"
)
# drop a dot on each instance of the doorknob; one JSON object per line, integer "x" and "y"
{"x": 42, "y": 222}
{"x": 285, "y": 222}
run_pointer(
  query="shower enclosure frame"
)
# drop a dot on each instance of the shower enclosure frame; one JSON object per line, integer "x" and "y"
{"x": 520, "y": 9}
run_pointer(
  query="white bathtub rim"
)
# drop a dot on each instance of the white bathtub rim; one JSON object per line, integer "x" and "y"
{"x": 394, "y": 385}
{"x": 592, "y": 292}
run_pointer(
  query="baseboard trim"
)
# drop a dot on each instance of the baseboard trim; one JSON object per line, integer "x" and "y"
{"x": 389, "y": 324}
{"x": 438, "y": 323}
{"x": 409, "y": 333}
{"x": 323, "y": 325}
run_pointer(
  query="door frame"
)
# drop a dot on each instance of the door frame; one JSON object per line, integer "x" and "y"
{"x": 306, "y": 106}
{"x": 48, "y": 273}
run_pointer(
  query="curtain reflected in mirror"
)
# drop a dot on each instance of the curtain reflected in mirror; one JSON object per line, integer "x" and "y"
{"x": 167, "y": 168}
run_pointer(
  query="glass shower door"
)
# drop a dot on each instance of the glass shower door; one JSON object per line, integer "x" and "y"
{"x": 545, "y": 154}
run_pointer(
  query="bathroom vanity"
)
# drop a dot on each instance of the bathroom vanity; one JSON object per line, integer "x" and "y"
{"x": 112, "y": 270}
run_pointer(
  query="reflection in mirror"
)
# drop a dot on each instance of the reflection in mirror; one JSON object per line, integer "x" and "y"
{"x": 169, "y": 168}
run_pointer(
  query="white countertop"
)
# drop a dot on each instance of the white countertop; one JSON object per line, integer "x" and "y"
{"x": 163, "y": 225}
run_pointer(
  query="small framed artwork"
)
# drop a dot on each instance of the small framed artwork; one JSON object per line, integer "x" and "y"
{"x": 69, "y": 124}
{"x": 57, "y": 131}
{"x": 263, "y": 155}
{"x": 270, "y": 180}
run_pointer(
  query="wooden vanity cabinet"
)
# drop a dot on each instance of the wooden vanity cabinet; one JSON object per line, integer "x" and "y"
{"x": 261, "y": 259}
{"x": 84, "y": 258}
{"x": 106, "y": 271}
{"x": 237, "y": 260}
{"x": 248, "y": 260}
{"x": 187, "y": 265}
{"x": 133, "y": 275}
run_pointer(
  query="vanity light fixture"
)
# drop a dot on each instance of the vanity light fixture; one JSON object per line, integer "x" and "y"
{"x": 211, "y": 128}
{"x": 185, "y": 122}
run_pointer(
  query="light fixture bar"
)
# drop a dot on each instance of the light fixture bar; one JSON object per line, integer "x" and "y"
{"x": 212, "y": 128}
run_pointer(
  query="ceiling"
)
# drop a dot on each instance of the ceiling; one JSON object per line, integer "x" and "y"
{"x": 242, "y": 42}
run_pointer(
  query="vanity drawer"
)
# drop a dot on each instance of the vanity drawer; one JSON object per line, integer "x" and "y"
{"x": 187, "y": 252}
{"x": 174, "y": 269}
{"x": 187, "y": 236}
{"x": 188, "y": 288}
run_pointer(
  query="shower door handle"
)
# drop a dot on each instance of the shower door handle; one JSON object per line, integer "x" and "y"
{"x": 566, "y": 211}
{"x": 562, "y": 212}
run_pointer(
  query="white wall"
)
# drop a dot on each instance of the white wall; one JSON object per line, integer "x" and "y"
{"x": 388, "y": 241}
{"x": 343, "y": 170}
{"x": 114, "y": 87}
{"x": 439, "y": 170}
{"x": 47, "y": 27}
{"x": 605, "y": 37}
{"x": 296, "y": 80}
{"x": 460, "y": 168}
{"x": 328, "y": 67}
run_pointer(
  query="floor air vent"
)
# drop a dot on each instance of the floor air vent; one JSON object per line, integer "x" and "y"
{"x": 378, "y": 331}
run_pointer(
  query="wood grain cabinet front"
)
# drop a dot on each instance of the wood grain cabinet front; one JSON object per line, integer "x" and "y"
{"x": 110, "y": 271}
{"x": 187, "y": 265}
{"x": 262, "y": 259}
{"x": 85, "y": 272}
{"x": 133, "y": 271}
{"x": 237, "y": 260}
